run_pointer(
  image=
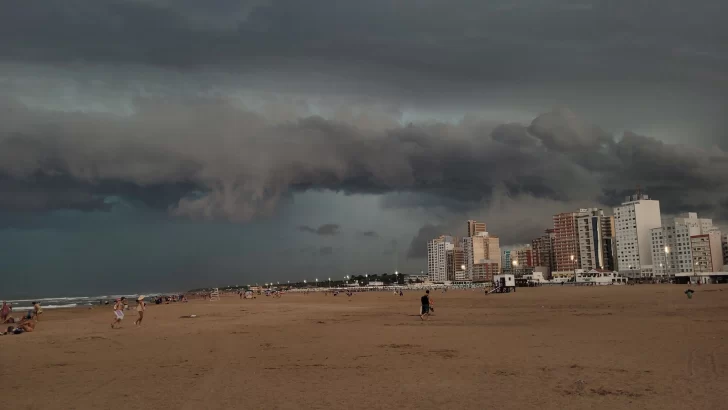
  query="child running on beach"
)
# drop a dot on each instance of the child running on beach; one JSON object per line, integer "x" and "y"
{"x": 118, "y": 313}
{"x": 140, "y": 308}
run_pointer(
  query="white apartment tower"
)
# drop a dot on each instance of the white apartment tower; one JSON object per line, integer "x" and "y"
{"x": 437, "y": 257}
{"x": 672, "y": 247}
{"x": 633, "y": 222}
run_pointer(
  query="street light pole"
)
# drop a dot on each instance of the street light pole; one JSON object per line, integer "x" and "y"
{"x": 573, "y": 265}
{"x": 667, "y": 260}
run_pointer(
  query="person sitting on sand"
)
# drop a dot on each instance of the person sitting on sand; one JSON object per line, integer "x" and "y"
{"x": 118, "y": 313}
{"x": 23, "y": 327}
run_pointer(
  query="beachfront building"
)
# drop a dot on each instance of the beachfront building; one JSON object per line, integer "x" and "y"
{"x": 484, "y": 272}
{"x": 517, "y": 260}
{"x": 456, "y": 261}
{"x": 475, "y": 227}
{"x": 707, "y": 252}
{"x": 671, "y": 246}
{"x": 437, "y": 257}
{"x": 543, "y": 251}
{"x": 595, "y": 231}
{"x": 633, "y": 224}
{"x": 481, "y": 249}
{"x": 566, "y": 242}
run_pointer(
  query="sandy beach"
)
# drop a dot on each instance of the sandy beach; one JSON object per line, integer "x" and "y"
{"x": 645, "y": 347}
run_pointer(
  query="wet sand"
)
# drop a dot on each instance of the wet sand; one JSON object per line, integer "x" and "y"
{"x": 645, "y": 347}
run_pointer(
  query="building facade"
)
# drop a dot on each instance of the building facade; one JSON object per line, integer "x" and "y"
{"x": 725, "y": 249}
{"x": 484, "y": 272}
{"x": 707, "y": 252}
{"x": 672, "y": 246}
{"x": 456, "y": 262}
{"x": 518, "y": 261}
{"x": 480, "y": 249}
{"x": 566, "y": 242}
{"x": 437, "y": 257}
{"x": 475, "y": 227}
{"x": 595, "y": 232}
{"x": 543, "y": 251}
{"x": 633, "y": 224}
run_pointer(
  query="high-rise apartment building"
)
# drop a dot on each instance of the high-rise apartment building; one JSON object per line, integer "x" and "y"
{"x": 475, "y": 227}
{"x": 633, "y": 222}
{"x": 671, "y": 244}
{"x": 483, "y": 272}
{"x": 707, "y": 252}
{"x": 725, "y": 249}
{"x": 543, "y": 250}
{"x": 566, "y": 242}
{"x": 595, "y": 232}
{"x": 479, "y": 249}
{"x": 456, "y": 262}
{"x": 518, "y": 260}
{"x": 437, "y": 257}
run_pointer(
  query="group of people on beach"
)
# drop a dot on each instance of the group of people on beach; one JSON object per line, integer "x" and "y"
{"x": 25, "y": 323}
{"x": 121, "y": 304}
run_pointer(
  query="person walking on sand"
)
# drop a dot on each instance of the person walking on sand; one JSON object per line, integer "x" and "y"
{"x": 118, "y": 313}
{"x": 425, "y": 305}
{"x": 141, "y": 306}
{"x": 4, "y": 312}
{"x": 37, "y": 310}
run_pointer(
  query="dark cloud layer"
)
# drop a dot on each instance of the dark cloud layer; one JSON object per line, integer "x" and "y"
{"x": 368, "y": 234}
{"x": 245, "y": 164}
{"x": 323, "y": 230}
{"x": 462, "y": 41}
{"x": 418, "y": 247}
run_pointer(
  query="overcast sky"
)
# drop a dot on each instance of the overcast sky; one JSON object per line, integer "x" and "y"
{"x": 156, "y": 144}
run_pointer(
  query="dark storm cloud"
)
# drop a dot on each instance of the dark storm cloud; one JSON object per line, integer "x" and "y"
{"x": 38, "y": 194}
{"x": 205, "y": 159}
{"x": 326, "y": 250}
{"x": 323, "y": 230}
{"x": 458, "y": 41}
{"x": 368, "y": 234}
{"x": 418, "y": 246}
{"x": 392, "y": 247}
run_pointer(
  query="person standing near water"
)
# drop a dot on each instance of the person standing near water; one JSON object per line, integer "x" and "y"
{"x": 140, "y": 308}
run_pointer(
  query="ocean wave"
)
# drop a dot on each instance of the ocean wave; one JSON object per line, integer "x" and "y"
{"x": 23, "y": 309}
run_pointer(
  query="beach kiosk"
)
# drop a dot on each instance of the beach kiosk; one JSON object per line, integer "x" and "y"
{"x": 504, "y": 283}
